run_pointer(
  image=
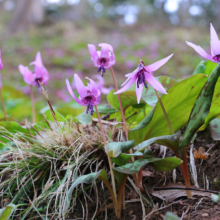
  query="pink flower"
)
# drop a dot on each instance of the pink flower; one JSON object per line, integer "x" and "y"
{"x": 215, "y": 47}
{"x": 40, "y": 73}
{"x": 100, "y": 84}
{"x": 1, "y": 64}
{"x": 89, "y": 95}
{"x": 143, "y": 75}
{"x": 103, "y": 59}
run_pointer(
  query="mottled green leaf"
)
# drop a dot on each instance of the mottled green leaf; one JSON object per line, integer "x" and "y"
{"x": 201, "y": 107}
{"x": 113, "y": 149}
{"x": 149, "y": 94}
{"x": 131, "y": 168}
{"x": 171, "y": 141}
{"x": 128, "y": 98}
{"x": 123, "y": 158}
{"x": 167, "y": 164}
{"x": 178, "y": 104}
{"x": 106, "y": 109}
{"x": 214, "y": 126}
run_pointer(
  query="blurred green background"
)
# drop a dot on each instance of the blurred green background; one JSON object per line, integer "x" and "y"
{"x": 61, "y": 29}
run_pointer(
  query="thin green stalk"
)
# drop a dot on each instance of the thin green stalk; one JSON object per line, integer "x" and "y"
{"x": 32, "y": 103}
{"x": 119, "y": 101}
{"x": 164, "y": 112}
{"x": 3, "y": 104}
{"x": 109, "y": 159}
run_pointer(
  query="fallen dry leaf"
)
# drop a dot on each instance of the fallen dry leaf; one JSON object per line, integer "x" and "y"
{"x": 172, "y": 194}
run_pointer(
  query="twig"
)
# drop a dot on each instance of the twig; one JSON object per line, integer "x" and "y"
{"x": 36, "y": 131}
{"x": 159, "y": 209}
{"x": 183, "y": 188}
{"x": 50, "y": 106}
{"x": 131, "y": 115}
{"x": 46, "y": 121}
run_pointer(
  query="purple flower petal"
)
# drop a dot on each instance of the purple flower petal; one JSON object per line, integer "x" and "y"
{"x": 139, "y": 91}
{"x": 154, "y": 83}
{"x": 130, "y": 75}
{"x": 101, "y": 81}
{"x": 125, "y": 82}
{"x": 28, "y": 76}
{"x": 105, "y": 51}
{"x": 93, "y": 87}
{"x": 155, "y": 66}
{"x": 93, "y": 52}
{"x": 214, "y": 42}
{"x": 106, "y": 45}
{"x": 199, "y": 50}
{"x": 127, "y": 86}
{"x": 71, "y": 91}
{"x": 1, "y": 64}
{"x": 81, "y": 89}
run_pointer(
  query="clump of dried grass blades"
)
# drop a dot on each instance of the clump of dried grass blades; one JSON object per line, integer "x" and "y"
{"x": 37, "y": 171}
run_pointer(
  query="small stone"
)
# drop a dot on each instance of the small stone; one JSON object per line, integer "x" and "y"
{"x": 130, "y": 212}
{"x": 205, "y": 215}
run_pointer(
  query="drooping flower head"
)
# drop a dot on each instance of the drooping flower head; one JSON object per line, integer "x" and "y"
{"x": 40, "y": 73}
{"x": 1, "y": 64}
{"x": 143, "y": 75}
{"x": 103, "y": 59}
{"x": 89, "y": 95}
{"x": 215, "y": 47}
{"x": 101, "y": 85}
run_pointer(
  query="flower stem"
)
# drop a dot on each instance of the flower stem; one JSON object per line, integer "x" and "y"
{"x": 119, "y": 101}
{"x": 109, "y": 159}
{"x": 164, "y": 112}
{"x": 33, "y": 108}
{"x": 183, "y": 166}
{"x": 3, "y": 104}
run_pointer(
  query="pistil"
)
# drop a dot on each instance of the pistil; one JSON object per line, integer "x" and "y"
{"x": 141, "y": 79}
{"x": 89, "y": 106}
{"x": 102, "y": 68}
{"x": 217, "y": 58}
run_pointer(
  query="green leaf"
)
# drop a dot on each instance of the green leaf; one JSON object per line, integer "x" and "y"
{"x": 170, "y": 216}
{"x": 84, "y": 118}
{"x": 49, "y": 116}
{"x": 113, "y": 149}
{"x": 131, "y": 168}
{"x": 13, "y": 127}
{"x": 106, "y": 109}
{"x": 149, "y": 94}
{"x": 172, "y": 141}
{"x": 89, "y": 178}
{"x": 214, "y": 126}
{"x": 6, "y": 212}
{"x": 123, "y": 158}
{"x": 205, "y": 67}
{"x": 178, "y": 104}
{"x": 200, "y": 68}
{"x": 128, "y": 98}
{"x": 167, "y": 164}
{"x": 201, "y": 107}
